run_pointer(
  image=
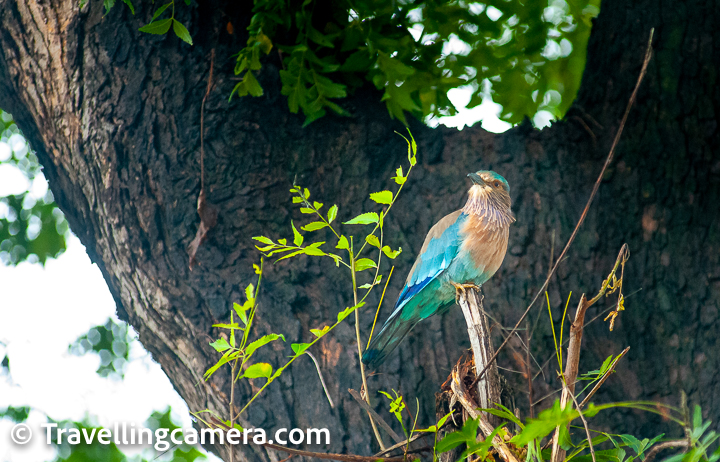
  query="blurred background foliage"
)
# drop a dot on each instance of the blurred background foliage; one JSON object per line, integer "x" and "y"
{"x": 32, "y": 228}
{"x": 111, "y": 342}
{"x": 527, "y": 56}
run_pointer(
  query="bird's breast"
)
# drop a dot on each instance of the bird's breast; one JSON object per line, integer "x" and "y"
{"x": 484, "y": 244}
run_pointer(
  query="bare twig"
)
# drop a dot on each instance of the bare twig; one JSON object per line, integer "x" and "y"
{"x": 668, "y": 444}
{"x": 322, "y": 381}
{"x": 587, "y": 429}
{"x": 633, "y": 96}
{"x": 399, "y": 445}
{"x": 603, "y": 379}
{"x": 375, "y": 416}
{"x": 331, "y": 456}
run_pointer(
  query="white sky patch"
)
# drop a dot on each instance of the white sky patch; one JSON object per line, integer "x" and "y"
{"x": 487, "y": 112}
{"x": 42, "y": 311}
{"x": 12, "y": 180}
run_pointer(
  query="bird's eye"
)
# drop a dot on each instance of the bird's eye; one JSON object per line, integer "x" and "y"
{"x": 496, "y": 184}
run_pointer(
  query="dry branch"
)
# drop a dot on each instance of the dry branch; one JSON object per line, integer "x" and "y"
{"x": 479, "y": 333}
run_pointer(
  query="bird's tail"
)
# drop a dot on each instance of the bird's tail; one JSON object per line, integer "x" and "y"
{"x": 394, "y": 330}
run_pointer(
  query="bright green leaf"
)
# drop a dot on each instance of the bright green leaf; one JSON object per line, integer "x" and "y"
{"x": 372, "y": 240}
{"x": 364, "y": 219}
{"x": 320, "y": 332}
{"x": 364, "y": 264}
{"x": 382, "y": 197}
{"x": 299, "y": 348}
{"x": 220, "y": 344}
{"x": 297, "y": 237}
{"x": 314, "y": 226}
{"x": 332, "y": 213}
{"x": 342, "y": 243}
{"x": 258, "y": 370}
{"x": 262, "y": 341}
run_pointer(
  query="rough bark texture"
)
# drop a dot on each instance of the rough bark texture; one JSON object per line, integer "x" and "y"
{"x": 114, "y": 117}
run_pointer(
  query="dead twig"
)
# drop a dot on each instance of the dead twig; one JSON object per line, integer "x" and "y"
{"x": 587, "y": 428}
{"x": 479, "y": 333}
{"x": 322, "y": 380}
{"x": 668, "y": 444}
{"x": 603, "y": 379}
{"x": 375, "y": 416}
{"x": 608, "y": 160}
{"x": 399, "y": 445}
{"x": 331, "y": 456}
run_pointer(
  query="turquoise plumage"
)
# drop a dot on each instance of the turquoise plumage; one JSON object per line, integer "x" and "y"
{"x": 465, "y": 247}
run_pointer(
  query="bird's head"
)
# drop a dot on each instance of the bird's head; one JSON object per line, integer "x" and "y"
{"x": 489, "y": 189}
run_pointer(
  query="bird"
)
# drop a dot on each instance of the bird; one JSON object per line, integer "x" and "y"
{"x": 465, "y": 248}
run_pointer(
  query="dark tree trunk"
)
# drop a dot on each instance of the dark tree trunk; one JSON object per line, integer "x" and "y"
{"x": 114, "y": 116}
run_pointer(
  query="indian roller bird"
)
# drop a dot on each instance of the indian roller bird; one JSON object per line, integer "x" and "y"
{"x": 464, "y": 248}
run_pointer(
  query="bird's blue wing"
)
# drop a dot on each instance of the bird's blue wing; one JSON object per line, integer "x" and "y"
{"x": 440, "y": 249}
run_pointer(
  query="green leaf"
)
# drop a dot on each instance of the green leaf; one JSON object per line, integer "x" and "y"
{"x": 364, "y": 264}
{"x": 297, "y": 200}
{"x": 364, "y": 219}
{"x": 382, "y": 197}
{"x": 220, "y": 344}
{"x": 399, "y": 178}
{"x": 317, "y": 205}
{"x": 263, "y": 239}
{"x": 466, "y": 434}
{"x": 314, "y": 226}
{"x": 233, "y": 325}
{"x": 262, "y": 341}
{"x": 332, "y": 213}
{"x": 252, "y": 85}
{"x": 297, "y": 237}
{"x": 306, "y": 210}
{"x": 346, "y": 312}
{"x": 227, "y": 357}
{"x": 258, "y": 370}
{"x": 372, "y": 240}
{"x": 342, "y": 243}
{"x": 392, "y": 254}
{"x": 240, "y": 310}
{"x": 320, "y": 332}
{"x": 313, "y": 249}
{"x": 159, "y": 11}
{"x": 299, "y": 348}
{"x": 182, "y": 32}
{"x": 130, "y": 5}
{"x": 157, "y": 28}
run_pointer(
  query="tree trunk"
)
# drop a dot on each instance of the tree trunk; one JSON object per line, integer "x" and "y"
{"x": 114, "y": 116}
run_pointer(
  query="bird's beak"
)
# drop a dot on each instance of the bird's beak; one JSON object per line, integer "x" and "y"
{"x": 476, "y": 179}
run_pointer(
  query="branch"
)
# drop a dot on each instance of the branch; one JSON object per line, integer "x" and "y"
{"x": 331, "y": 456}
{"x": 573, "y": 358}
{"x": 479, "y": 333}
{"x": 668, "y": 444}
{"x": 375, "y": 416}
{"x": 648, "y": 55}
{"x": 603, "y": 379}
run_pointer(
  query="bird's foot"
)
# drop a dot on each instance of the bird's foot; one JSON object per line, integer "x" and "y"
{"x": 461, "y": 288}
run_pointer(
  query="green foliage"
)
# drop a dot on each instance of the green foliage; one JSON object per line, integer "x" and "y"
{"x": 15, "y": 414}
{"x": 32, "y": 228}
{"x": 416, "y": 51}
{"x": 111, "y": 342}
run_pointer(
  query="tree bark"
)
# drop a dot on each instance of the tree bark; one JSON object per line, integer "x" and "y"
{"x": 114, "y": 117}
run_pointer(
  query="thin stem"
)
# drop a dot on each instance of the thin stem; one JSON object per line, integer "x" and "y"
{"x": 359, "y": 348}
